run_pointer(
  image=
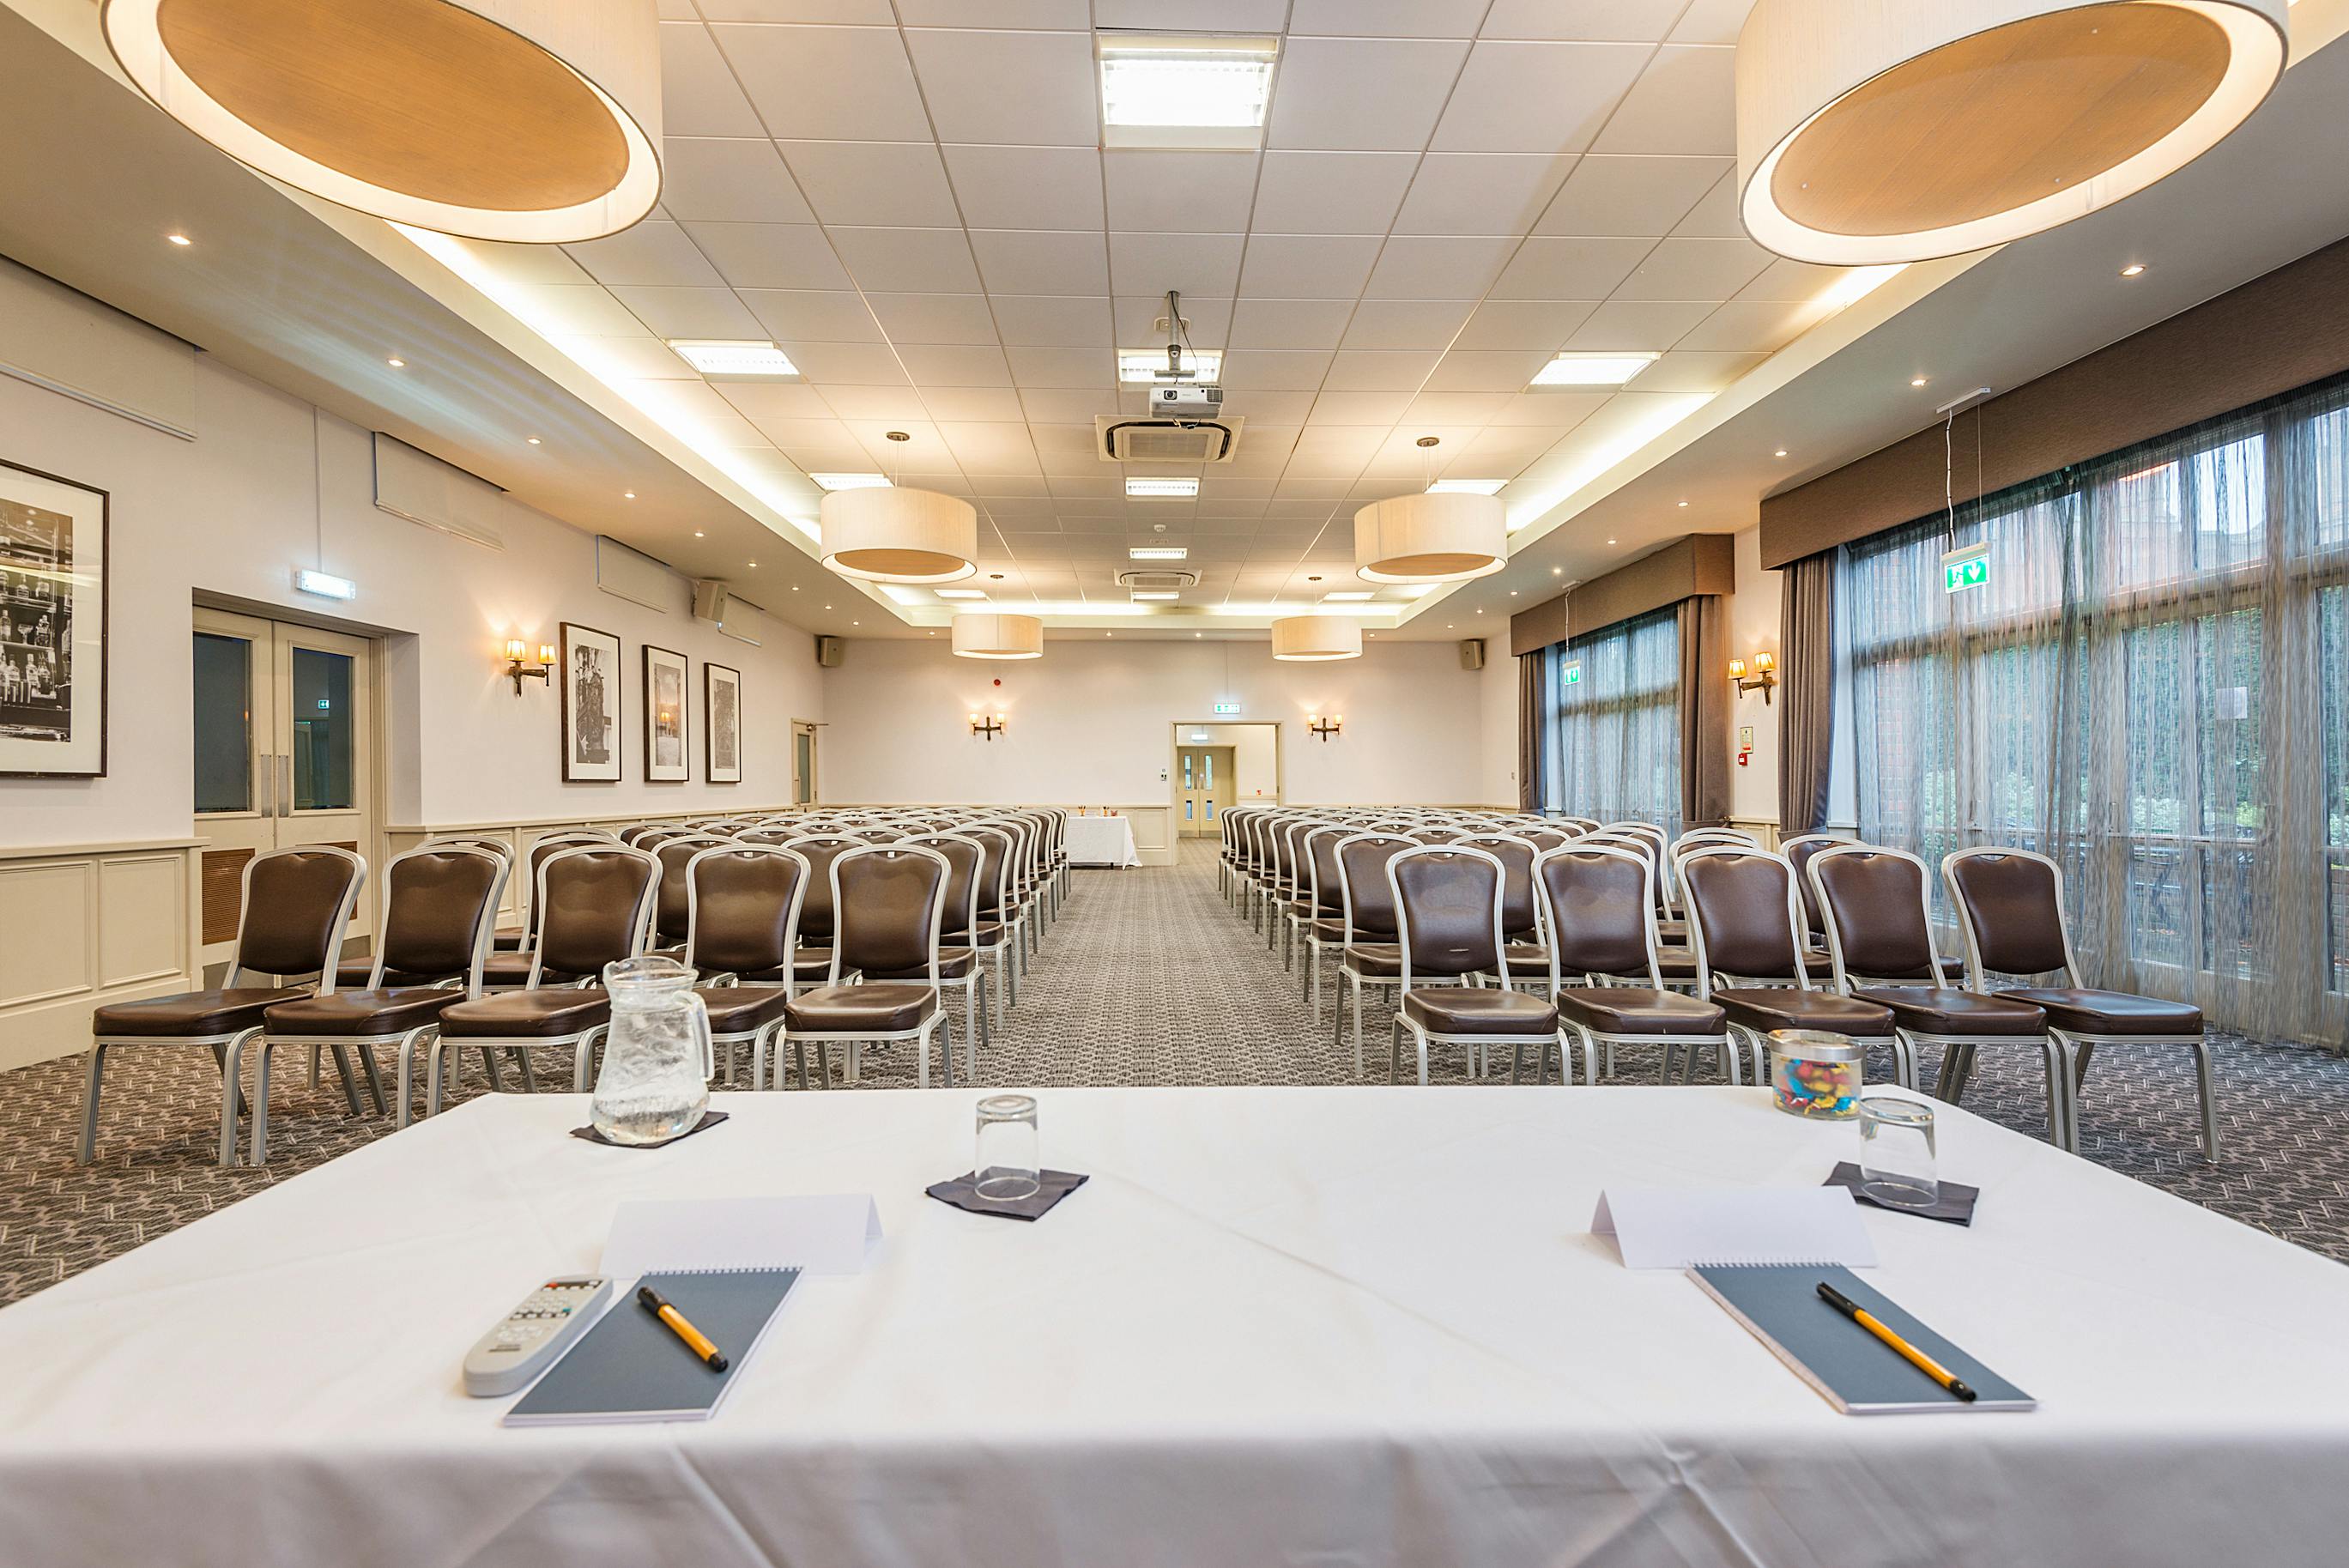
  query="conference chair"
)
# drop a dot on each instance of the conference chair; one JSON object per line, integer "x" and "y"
{"x": 598, "y": 909}
{"x": 1448, "y": 903}
{"x": 440, "y": 908}
{"x": 631, "y": 835}
{"x": 2011, "y": 910}
{"x": 297, "y": 904}
{"x": 1600, "y": 904}
{"x": 1675, "y": 959}
{"x": 1745, "y": 926}
{"x": 742, "y": 922}
{"x": 990, "y": 935}
{"x": 959, "y": 964}
{"x": 1878, "y": 904}
{"x": 812, "y": 967}
{"x": 1544, "y": 840}
{"x": 672, "y": 904}
{"x": 1370, "y": 952}
{"x": 888, "y": 902}
{"x": 509, "y": 963}
{"x": 1317, "y": 858}
{"x": 1525, "y": 955}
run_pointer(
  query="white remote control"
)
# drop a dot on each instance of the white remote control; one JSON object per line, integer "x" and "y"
{"x": 530, "y": 1338}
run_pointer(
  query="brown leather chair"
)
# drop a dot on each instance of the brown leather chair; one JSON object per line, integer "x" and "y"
{"x": 440, "y": 907}
{"x": 1448, "y": 902}
{"x": 297, "y": 904}
{"x": 812, "y": 967}
{"x": 2010, "y": 906}
{"x": 889, "y": 902}
{"x": 1877, "y": 905}
{"x": 672, "y": 906}
{"x": 742, "y": 923}
{"x": 596, "y": 908}
{"x": 960, "y": 966}
{"x": 1317, "y": 860}
{"x": 1599, "y": 906}
{"x": 509, "y": 965}
{"x": 991, "y": 936}
{"x": 1527, "y": 957}
{"x": 1675, "y": 959}
{"x": 1369, "y": 952}
{"x": 1745, "y": 924}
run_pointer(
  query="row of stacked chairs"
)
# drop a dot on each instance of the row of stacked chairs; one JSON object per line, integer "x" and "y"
{"x": 824, "y": 928}
{"x": 1702, "y": 944}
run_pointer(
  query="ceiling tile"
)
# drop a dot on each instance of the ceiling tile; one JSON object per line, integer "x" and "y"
{"x": 1424, "y": 266}
{"x": 1065, "y": 15}
{"x": 1798, "y": 282}
{"x": 1028, "y": 187}
{"x": 1319, "y": 101}
{"x": 1199, "y": 15}
{"x": 651, "y": 253}
{"x": 1695, "y": 269}
{"x": 771, "y": 255}
{"x": 1715, "y": 216}
{"x": 892, "y": 184}
{"x": 1274, "y": 369}
{"x": 853, "y": 364}
{"x": 528, "y": 263}
{"x": 699, "y": 94}
{"x": 813, "y": 83}
{"x": 1624, "y": 21}
{"x": 1307, "y": 266}
{"x": 1712, "y": 22}
{"x": 907, "y": 261}
{"x": 1290, "y": 323}
{"x": 1523, "y": 322}
{"x": 1288, "y": 407}
{"x": 867, "y": 12}
{"x": 1070, "y": 367}
{"x": 831, "y": 315}
{"x": 689, "y": 312}
{"x": 1138, "y": 316}
{"x": 737, "y": 178}
{"x": 643, "y": 357}
{"x": 1537, "y": 97}
{"x": 1637, "y": 326}
{"x": 898, "y": 406}
{"x": 1488, "y": 370}
{"x": 1042, "y": 261}
{"x": 1186, "y": 192}
{"x": 1049, "y": 404}
{"x": 956, "y": 365}
{"x": 1053, "y": 321}
{"x": 1029, "y": 87}
{"x": 1618, "y": 195}
{"x": 1570, "y": 269}
{"x": 933, "y": 318}
{"x": 1387, "y": 18}
{"x": 973, "y": 404}
{"x": 1683, "y": 371}
{"x": 1381, "y": 369}
{"x": 1552, "y": 408}
{"x": 1333, "y": 192}
{"x": 1146, "y": 265}
{"x": 758, "y": 401}
{"x": 1481, "y": 193}
{"x": 1454, "y": 407}
{"x": 1685, "y": 102}
{"x": 1407, "y": 323}
{"x": 1755, "y": 325}
{"x": 585, "y": 310}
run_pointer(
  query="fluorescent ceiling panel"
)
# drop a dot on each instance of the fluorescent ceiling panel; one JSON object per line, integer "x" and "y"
{"x": 728, "y": 360}
{"x": 1593, "y": 369}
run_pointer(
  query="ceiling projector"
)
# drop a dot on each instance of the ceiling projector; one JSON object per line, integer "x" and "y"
{"x": 1185, "y": 398}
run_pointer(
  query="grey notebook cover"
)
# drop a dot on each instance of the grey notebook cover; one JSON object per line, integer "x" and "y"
{"x": 631, "y": 1368}
{"x": 1855, "y": 1372}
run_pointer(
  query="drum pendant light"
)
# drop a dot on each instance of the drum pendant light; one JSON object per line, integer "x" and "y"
{"x": 1300, "y": 638}
{"x": 889, "y": 535}
{"x": 1870, "y": 132}
{"x": 1431, "y": 537}
{"x": 999, "y": 637}
{"x": 529, "y": 120}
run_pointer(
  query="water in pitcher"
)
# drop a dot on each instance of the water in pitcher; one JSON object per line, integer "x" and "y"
{"x": 655, "y": 1080}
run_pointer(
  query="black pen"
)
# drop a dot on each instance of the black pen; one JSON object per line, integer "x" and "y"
{"x": 699, "y": 1343}
{"x": 1909, "y": 1353}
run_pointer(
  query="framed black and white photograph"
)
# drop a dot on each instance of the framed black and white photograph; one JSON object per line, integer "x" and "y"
{"x": 53, "y": 583}
{"x": 666, "y": 762}
{"x": 591, "y": 703}
{"x": 722, "y": 722}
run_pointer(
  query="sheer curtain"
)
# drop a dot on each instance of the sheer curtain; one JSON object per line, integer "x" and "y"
{"x": 2149, "y": 688}
{"x": 1617, "y": 722}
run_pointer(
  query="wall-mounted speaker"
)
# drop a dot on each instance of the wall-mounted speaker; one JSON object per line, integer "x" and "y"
{"x": 830, "y": 652}
{"x": 710, "y": 601}
{"x": 1472, "y": 653}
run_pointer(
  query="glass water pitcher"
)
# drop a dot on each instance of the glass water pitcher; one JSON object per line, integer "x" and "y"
{"x": 655, "y": 1081}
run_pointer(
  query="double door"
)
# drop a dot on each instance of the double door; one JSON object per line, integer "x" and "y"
{"x": 1207, "y": 788}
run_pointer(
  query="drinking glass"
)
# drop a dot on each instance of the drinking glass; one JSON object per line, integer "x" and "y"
{"x": 1008, "y": 1167}
{"x": 1896, "y": 1153}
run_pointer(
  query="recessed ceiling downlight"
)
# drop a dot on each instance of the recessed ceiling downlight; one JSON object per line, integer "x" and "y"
{"x": 498, "y": 120}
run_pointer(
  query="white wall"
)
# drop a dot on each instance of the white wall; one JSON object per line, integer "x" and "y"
{"x": 1496, "y": 698}
{"x": 1091, "y": 722}
{"x": 1755, "y": 612}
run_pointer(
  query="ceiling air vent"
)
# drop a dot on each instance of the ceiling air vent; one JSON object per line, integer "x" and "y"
{"x": 1160, "y": 580}
{"x": 1125, "y": 441}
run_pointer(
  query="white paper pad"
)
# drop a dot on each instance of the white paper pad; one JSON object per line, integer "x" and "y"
{"x": 834, "y": 1234}
{"x": 1683, "y": 1227}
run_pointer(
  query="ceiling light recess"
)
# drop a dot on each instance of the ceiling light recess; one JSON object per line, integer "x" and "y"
{"x": 730, "y": 359}
{"x": 1301, "y": 639}
{"x": 1466, "y": 487}
{"x": 1870, "y": 133}
{"x": 1185, "y": 89}
{"x": 1592, "y": 369}
{"x": 900, "y": 535}
{"x": 1159, "y": 552}
{"x": 1431, "y": 539}
{"x": 1160, "y": 488}
{"x": 999, "y": 637}
{"x": 960, "y": 593}
{"x": 498, "y": 120}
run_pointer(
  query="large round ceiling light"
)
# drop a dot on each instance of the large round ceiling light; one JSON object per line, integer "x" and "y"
{"x": 999, "y": 637}
{"x": 1431, "y": 537}
{"x": 889, "y": 535}
{"x": 1300, "y": 638}
{"x": 1870, "y": 132}
{"x": 537, "y": 122}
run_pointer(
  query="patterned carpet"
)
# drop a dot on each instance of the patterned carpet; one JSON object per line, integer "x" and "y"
{"x": 1148, "y": 978}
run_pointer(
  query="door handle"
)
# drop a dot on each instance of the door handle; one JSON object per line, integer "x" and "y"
{"x": 267, "y": 806}
{"x": 285, "y": 761}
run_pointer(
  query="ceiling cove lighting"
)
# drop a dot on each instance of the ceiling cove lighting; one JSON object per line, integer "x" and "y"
{"x": 518, "y": 120}
{"x": 1353, "y": 597}
{"x": 1872, "y": 133}
{"x": 892, "y": 535}
{"x": 1185, "y": 90}
{"x": 1301, "y": 639}
{"x": 1153, "y": 595}
{"x": 1431, "y": 539}
{"x": 960, "y": 593}
{"x": 999, "y": 637}
{"x": 728, "y": 360}
{"x": 1140, "y": 366}
{"x": 850, "y": 481}
{"x": 1466, "y": 487}
{"x": 1146, "y": 488}
{"x": 1593, "y": 369}
{"x": 1158, "y": 553}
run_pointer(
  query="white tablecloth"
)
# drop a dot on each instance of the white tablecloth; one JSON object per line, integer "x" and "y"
{"x": 1356, "y": 1326}
{"x": 1101, "y": 842}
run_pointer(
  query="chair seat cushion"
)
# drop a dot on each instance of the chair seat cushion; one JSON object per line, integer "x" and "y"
{"x": 394, "y": 1010}
{"x": 1378, "y": 960}
{"x": 861, "y": 1009}
{"x": 1328, "y": 928}
{"x": 1765, "y": 1009}
{"x": 507, "y": 969}
{"x": 191, "y": 1012}
{"x": 510, "y": 941}
{"x": 1471, "y": 1010}
{"x": 1527, "y": 958}
{"x": 1937, "y": 1010}
{"x": 354, "y": 974}
{"x": 954, "y": 964}
{"x": 739, "y": 1009}
{"x": 541, "y": 1014}
{"x": 1637, "y": 1010}
{"x": 2111, "y": 1011}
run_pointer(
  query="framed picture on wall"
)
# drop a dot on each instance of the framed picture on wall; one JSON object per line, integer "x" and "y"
{"x": 53, "y": 589}
{"x": 591, "y": 703}
{"x": 722, "y": 722}
{"x": 666, "y": 762}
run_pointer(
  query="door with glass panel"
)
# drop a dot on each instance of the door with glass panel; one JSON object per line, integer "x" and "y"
{"x": 804, "y": 763}
{"x": 283, "y": 753}
{"x": 1207, "y": 773}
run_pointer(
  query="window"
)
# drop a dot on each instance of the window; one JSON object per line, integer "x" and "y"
{"x": 1614, "y": 724}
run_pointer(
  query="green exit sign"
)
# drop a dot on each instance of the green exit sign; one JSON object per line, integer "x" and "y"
{"x": 1965, "y": 569}
{"x": 1574, "y": 674}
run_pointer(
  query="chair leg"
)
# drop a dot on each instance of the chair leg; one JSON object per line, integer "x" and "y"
{"x": 2058, "y": 1055}
{"x": 2202, "y": 1078}
{"x": 86, "y": 1149}
{"x": 232, "y": 1093}
{"x": 374, "y": 1078}
{"x": 314, "y": 1068}
{"x": 1394, "y": 1044}
{"x": 490, "y": 1066}
{"x": 407, "y": 1070}
{"x": 529, "y": 1075}
{"x": 261, "y": 1098}
{"x": 823, "y": 1062}
{"x": 435, "y": 1077}
{"x": 582, "y": 1059}
{"x": 946, "y": 1047}
{"x": 350, "y": 1084}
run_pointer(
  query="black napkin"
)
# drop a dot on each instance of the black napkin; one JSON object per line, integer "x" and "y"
{"x": 1053, "y": 1186}
{"x": 1955, "y": 1205}
{"x": 709, "y": 1119}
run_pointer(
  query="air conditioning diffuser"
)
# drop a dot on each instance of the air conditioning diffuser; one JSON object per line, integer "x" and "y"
{"x": 1119, "y": 439}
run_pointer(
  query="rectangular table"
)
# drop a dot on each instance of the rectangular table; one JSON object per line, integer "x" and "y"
{"x": 1101, "y": 842}
{"x": 1356, "y": 1326}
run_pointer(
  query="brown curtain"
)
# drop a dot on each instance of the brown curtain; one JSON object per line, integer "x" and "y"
{"x": 1533, "y": 700}
{"x": 1805, "y": 693}
{"x": 1705, "y": 712}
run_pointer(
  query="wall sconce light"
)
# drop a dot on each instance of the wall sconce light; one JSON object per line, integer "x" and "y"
{"x": 521, "y": 671}
{"x": 987, "y": 729}
{"x": 1323, "y": 728}
{"x": 1760, "y": 680}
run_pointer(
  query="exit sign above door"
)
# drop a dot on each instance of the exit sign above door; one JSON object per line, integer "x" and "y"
{"x": 1965, "y": 569}
{"x": 1225, "y": 709}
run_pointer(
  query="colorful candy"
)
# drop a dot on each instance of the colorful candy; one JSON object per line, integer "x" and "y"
{"x": 1816, "y": 1074}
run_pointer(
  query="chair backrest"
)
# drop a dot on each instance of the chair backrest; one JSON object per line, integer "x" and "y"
{"x": 889, "y": 901}
{"x": 1600, "y": 901}
{"x": 1880, "y": 916}
{"x": 743, "y": 908}
{"x": 440, "y": 908}
{"x": 596, "y": 908}
{"x": 672, "y": 911}
{"x": 1319, "y": 861}
{"x": 1743, "y": 915}
{"x": 995, "y": 843}
{"x": 1798, "y": 851}
{"x": 629, "y": 835}
{"x": 297, "y": 904}
{"x": 2010, "y": 906}
{"x": 1447, "y": 902}
{"x": 1545, "y": 839}
{"x": 1520, "y": 907}
{"x": 1363, "y": 895}
{"x": 966, "y": 862}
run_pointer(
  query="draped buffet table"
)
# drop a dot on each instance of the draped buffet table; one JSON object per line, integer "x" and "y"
{"x": 1101, "y": 842}
{"x": 1358, "y": 1325}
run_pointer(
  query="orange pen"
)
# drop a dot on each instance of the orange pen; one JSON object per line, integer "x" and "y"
{"x": 699, "y": 1343}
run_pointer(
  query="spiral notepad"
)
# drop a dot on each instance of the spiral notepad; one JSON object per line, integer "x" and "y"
{"x": 632, "y": 1367}
{"x": 1682, "y": 1227}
